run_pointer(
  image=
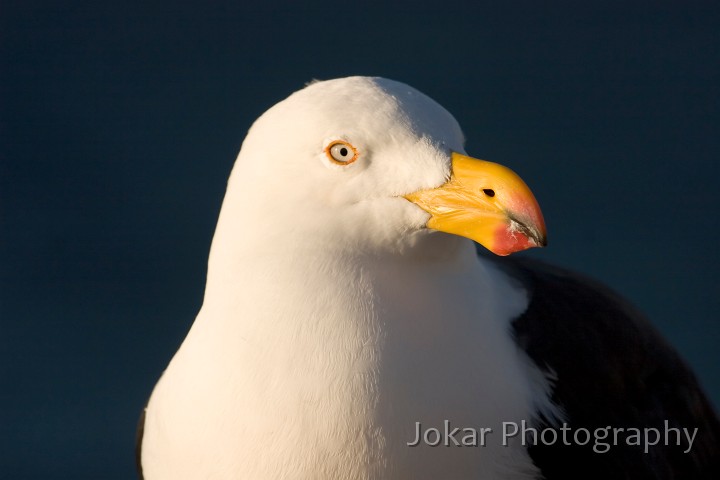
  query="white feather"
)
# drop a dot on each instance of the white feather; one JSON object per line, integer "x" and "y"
{"x": 333, "y": 321}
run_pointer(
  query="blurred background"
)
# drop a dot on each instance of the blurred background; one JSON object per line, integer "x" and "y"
{"x": 120, "y": 121}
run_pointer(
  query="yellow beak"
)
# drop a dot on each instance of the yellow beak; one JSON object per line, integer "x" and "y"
{"x": 485, "y": 202}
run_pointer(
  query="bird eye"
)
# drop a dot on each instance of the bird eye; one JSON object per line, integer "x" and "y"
{"x": 341, "y": 153}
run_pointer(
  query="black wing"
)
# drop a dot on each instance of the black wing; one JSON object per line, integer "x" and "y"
{"x": 138, "y": 443}
{"x": 613, "y": 369}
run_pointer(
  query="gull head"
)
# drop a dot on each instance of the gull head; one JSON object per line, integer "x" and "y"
{"x": 368, "y": 164}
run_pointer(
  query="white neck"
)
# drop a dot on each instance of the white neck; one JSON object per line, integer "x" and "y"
{"x": 318, "y": 366}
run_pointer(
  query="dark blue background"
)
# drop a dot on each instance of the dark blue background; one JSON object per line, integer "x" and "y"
{"x": 119, "y": 124}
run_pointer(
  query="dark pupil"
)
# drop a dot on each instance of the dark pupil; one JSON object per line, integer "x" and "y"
{"x": 343, "y": 151}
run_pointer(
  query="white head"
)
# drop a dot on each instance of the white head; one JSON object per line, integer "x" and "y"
{"x": 367, "y": 164}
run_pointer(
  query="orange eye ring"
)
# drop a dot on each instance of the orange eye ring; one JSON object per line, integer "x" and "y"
{"x": 341, "y": 152}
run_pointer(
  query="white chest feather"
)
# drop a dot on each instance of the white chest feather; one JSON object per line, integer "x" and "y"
{"x": 322, "y": 371}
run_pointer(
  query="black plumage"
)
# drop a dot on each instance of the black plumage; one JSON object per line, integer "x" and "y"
{"x": 611, "y": 368}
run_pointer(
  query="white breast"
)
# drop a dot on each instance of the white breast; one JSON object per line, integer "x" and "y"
{"x": 320, "y": 367}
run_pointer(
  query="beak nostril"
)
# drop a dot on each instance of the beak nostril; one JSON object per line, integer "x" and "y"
{"x": 489, "y": 192}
